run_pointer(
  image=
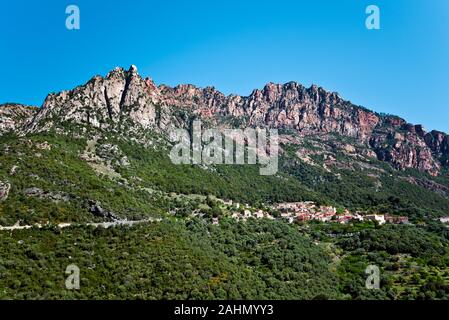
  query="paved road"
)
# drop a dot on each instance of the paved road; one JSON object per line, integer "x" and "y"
{"x": 95, "y": 224}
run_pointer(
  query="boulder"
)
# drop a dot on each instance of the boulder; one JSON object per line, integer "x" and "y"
{"x": 97, "y": 210}
{"x": 4, "y": 190}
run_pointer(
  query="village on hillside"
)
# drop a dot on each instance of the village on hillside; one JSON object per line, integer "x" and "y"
{"x": 305, "y": 211}
{"x": 308, "y": 211}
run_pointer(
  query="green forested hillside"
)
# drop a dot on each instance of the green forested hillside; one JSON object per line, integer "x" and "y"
{"x": 168, "y": 260}
{"x": 64, "y": 178}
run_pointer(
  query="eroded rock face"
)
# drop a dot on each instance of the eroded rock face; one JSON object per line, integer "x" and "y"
{"x": 124, "y": 96}
{"x": 438, "y": 142}
{"x": 14, "y": 116}
{"x": 312, "y": 111}
{"x": 406, "y": 148}
{"x": 101, "y": 102}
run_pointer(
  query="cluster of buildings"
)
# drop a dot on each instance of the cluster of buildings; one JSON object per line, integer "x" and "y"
{"x": 306, "y": 211}
{"x": 309, "y": 211}
{"x": 246, "y": 214}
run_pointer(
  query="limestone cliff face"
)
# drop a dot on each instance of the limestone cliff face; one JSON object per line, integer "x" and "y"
{"x": 125, "y": 96}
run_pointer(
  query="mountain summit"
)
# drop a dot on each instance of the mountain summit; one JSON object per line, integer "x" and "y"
{"x": 123, "y": 96}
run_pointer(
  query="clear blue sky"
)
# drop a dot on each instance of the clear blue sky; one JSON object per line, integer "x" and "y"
{"x": 237, "y": 46}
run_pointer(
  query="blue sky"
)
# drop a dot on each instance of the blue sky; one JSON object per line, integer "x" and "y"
{"x": 237, "y": 46}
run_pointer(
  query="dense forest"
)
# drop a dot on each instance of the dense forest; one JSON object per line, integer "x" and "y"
{"x": 259, "y": 259}
{"x": 71, "y": 178}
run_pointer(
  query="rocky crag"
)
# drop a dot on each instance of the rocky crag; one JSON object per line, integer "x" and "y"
{"x": 124, "y": 96}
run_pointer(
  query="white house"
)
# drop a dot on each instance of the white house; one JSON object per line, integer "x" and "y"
{"x": 380, "y": 218}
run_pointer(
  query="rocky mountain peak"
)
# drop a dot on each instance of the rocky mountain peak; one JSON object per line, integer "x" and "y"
{"x": 133, "y": 69}
{"x": 123, "y": 94}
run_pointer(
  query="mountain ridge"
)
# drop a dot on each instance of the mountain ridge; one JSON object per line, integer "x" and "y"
{"x": 104, "y": 102}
